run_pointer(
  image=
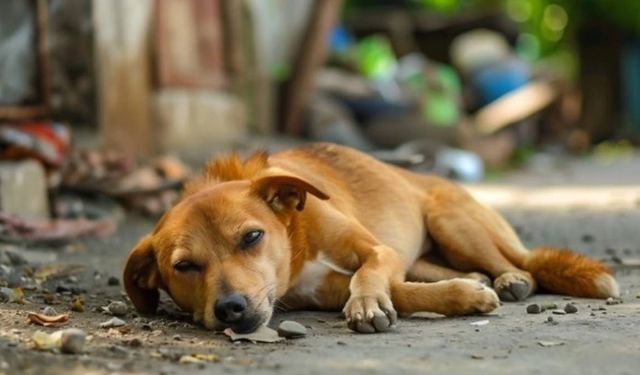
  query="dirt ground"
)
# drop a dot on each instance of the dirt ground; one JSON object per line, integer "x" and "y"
{"x": 598, "y": 339}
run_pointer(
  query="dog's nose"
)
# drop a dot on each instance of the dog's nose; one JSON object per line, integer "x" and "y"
{"x": 231, "y": 308}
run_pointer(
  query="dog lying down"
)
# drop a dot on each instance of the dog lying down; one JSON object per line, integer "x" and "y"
{"x": 327, "y": 227}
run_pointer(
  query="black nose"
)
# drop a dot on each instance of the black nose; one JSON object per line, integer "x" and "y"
{"x": 231, "y": 308}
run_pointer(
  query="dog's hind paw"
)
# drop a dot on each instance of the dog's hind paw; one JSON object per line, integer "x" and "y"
{"x": 370, "y": 314}
{"x": 513, "y": 286}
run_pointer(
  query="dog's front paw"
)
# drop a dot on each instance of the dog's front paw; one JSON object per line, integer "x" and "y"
{"x": 370, "y": 313}
{"x": 471, "y": 297}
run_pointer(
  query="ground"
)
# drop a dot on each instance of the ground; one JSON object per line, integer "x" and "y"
{"x": 599, "y": 338}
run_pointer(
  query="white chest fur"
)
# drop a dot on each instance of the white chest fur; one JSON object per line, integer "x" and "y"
{"x": 313, "y": 274}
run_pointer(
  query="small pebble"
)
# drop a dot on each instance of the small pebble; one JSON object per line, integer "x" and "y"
{"x": 550, "y": 319}
{"x": 113, "y": 281}
{"x": 118, "y": 308}
{"x": 587, "y": 238}
{"x": 535, "y": 308}
{"x": 290, "y": 329}
{"x": 570, "y": 308}
{"x": 49, "y": 311}
{"x": 72, "y": 341}
{"x": 613, "y": 301}
{"x": 559, "y": 312}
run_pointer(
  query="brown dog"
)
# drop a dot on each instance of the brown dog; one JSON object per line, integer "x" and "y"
{"x": 327, "y": 227}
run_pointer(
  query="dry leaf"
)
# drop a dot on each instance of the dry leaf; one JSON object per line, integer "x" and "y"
{"x": 199, "y": 358}
{"x": 77, "y": 304}
{"x": 47, "y": 321}
{"x": 262, "y": 334}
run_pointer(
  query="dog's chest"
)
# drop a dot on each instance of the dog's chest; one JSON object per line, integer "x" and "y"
{"x": 312, "y": 276}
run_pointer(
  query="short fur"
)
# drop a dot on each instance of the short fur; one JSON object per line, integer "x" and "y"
{"x": 341, "y": 230}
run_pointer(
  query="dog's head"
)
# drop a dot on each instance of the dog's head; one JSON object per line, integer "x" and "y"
{"x": 222, "y": 253}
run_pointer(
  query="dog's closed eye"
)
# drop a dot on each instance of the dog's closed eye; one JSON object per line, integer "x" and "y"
{"x": 251, "y": 238}
{"x": 186, "y": 266}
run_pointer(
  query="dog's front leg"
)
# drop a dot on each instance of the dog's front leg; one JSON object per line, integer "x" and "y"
{"x": 369, "y": 308}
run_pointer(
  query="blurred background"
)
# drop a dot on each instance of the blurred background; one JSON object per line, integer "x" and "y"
{"x": 119, "y": 100}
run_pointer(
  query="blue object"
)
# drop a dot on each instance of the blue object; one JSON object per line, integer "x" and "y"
{"x": 340, "y": 39}
{"x": 631, "y": 82}
{"x": 490, "y": 82}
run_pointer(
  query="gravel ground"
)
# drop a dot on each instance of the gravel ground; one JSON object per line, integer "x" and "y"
{"x": 599, "y": 338}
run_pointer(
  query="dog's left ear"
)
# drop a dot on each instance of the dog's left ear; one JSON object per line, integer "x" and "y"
{"x": 142, "y": 277}
{"x": 285, "y": 191}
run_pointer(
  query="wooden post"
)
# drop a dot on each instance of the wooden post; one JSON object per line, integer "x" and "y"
{"x": 123, "y": 74}
{"x": 310, "y": 55}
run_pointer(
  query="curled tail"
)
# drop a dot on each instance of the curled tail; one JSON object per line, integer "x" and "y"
{"x": 565, "y": 272}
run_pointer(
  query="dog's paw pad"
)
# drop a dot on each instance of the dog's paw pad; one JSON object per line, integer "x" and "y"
{"x": 512, "y": 287}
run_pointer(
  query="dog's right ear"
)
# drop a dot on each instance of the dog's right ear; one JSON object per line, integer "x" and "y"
{"x": 142, "y": 277}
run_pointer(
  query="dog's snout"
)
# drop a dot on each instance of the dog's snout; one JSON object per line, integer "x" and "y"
{"x": 231, "y": 308}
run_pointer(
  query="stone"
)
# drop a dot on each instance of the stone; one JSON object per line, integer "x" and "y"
{"x": 558, "y": 312}
{"x": 290, "y": 329}
{"x": 49, "y": 311}
{"x": 113, "y": 281}
{"x": 570, "y": 308}
{"x": 535, "y": 308}
{"x": 118, "y": 308}
{"x": 72, "y": 341}
{"x": 23, "y": 189}
{"x": 613, "y": 301}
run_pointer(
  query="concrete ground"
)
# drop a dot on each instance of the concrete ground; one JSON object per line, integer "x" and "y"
{"x": 578, "y": 204}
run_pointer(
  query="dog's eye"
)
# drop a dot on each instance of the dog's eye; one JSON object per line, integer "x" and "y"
{"x": 186, "y": 266}
{"x": 251, "y": 238}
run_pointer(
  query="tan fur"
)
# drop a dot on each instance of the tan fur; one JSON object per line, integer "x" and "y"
{"x": 341, "y": 231}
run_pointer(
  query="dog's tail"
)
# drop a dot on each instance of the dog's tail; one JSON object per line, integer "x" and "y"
{"x": 565, "y": 272}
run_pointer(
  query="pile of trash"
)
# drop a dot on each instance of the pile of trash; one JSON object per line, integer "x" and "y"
{"x": 53, "y": 194}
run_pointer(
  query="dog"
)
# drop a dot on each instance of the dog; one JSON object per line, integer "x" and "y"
{"x": 327, "y": 227}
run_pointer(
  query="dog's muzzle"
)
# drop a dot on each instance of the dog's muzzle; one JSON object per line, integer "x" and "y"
{"x": 234, "y": 311}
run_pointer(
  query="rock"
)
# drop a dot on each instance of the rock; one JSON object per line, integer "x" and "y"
{"x": 290, "y": 329}
{"x": 613, "y": 301}
{"x": 559, "y": 312}
{"x": 49, "y": 311}
{"x": 587, "y": 238}
{"x": 72, "y": 340}
{"x": 113, "y": 322}
{"x": 570, "y": 308}
{"x": 118, "y": 308}
{"x": 113, "y": 281}
{"x": 535, "y": 308}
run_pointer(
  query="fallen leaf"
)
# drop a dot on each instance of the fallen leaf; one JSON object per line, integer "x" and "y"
{"x": 548, "y": 344}
{"x": 46, "y": 320}
{"x": 77, "y": 304}
{"x": 44, "y": 341}
{"x": 262, "y": 334}
{"x": 199, "y": 358}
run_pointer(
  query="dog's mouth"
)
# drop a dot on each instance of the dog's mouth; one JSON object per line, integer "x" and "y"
{"x": 246, "y": 325}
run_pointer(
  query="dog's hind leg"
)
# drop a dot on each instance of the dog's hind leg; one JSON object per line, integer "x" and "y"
{"x": 449, "y": 297}
{"x": 470, "y": 238}
{"x": 425, "y": 271}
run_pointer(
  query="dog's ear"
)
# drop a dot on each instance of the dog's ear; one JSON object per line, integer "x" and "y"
{"x": 142, "y": 277}
{"x": 285, "y": 191}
